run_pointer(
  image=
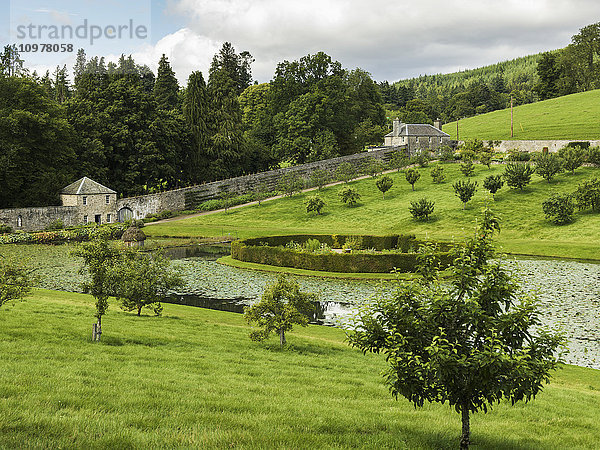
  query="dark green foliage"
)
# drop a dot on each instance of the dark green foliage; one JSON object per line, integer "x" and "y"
{"x": 5, "y": 228}
{"x": 290, "y": 183}
{"x": 166, "y": 87}
{"x": 437, "y": 174}
{"x": 470, "y": 341}
{"x": 421, "y": 209}
{"x": 345, "y": 172}
{"x": 593, "y": 156}
{"x": 196, "y": 113}
{"x": 141, "y": 280}
{"x": 516, "y": 155}
{"x": 14, "y": 281}
{"x": 559, "y": 208}
{"x": 547, "y": 165}
{"x": 349, "y": 196}
{"x": 314, "y": 203}
{"x": 319, "y": 178}
{"x": 282, "y": 306}
{"x": 485, "y": 158}
{"x": 587, "y": 195}
{"x": 518, "y": 175}
{"x": 412, "y": 176}
{"x": 573, "y": 157}
{"x": 548, "y": 72}
{"x": 421, "y": 159}
{"x": 384, "y": 184}
{"x": 465, "y": 190}
{"x": 467, "y": 168}
{"x": 493, "y": 183}
{"x": 56, "y": 225}
{"x": 447, "y": 153}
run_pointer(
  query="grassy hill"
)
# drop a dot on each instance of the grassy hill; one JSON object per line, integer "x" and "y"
{"x": 575, "y": 117}
{"x": 193, "y": 379}
{"x": 524, "y": 228}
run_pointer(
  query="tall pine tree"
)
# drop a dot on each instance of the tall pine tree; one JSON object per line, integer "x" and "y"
{"x": 195, "y": 109}
{"x": 166, "y": 86}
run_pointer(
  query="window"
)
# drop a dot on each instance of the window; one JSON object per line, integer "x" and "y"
{"x": 85, "y": 218}
{"x": 107, "y": 199}
{"x": 20, "y": 221}
{"x": 441, "y": 140}
{"x": 108, "y": 217}
{"x": 84, "y": 200}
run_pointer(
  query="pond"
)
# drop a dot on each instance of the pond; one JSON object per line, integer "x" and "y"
{"x": 568, "y": 291}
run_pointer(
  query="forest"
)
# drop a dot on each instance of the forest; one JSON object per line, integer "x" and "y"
{"x": 139, "y": 132}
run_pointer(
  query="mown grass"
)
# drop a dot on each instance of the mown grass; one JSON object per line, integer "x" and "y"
{"x": 574, "y": 116}
{"x": 192, "y": 378}
{"x": 525, "y": 230}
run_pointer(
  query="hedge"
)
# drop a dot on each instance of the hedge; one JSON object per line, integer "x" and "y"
{"x": 270, "y": 250}
{"x": 78, "y": 234}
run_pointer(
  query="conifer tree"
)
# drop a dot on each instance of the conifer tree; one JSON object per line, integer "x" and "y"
{"x": 166, "y": 86}
{"x": 195, "y": 109}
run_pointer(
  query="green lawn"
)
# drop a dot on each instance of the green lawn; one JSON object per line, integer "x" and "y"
{"x": 192, "y": 378}
{"x": 574, "y": 116}
{"x": 524, "y": 228}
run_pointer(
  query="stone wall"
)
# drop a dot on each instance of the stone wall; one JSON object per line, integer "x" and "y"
{"x": 538, "y": 145}
{"x": 33, "y": 219}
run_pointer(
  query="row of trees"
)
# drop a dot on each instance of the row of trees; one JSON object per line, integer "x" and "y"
{"x": 138, "y": 132}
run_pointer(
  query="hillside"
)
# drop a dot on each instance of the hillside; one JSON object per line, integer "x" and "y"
{"x": 575, "y": 116}
{"x": 193, "y": 379}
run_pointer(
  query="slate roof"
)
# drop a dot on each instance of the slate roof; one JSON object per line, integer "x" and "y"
{"x": 418, "y": 129}
{"x": 86, "y": 186}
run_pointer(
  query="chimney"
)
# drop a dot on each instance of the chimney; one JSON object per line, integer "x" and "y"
{"x": 396, "y": 128}
{"x": 438, "y": 124}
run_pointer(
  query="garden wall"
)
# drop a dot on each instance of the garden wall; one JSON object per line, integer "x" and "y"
{"x": 538, "y": 145}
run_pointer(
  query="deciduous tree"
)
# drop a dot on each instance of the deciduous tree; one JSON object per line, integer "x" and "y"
{"x": 384, "y": 184}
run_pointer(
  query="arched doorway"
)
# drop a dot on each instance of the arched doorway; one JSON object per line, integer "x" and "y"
{"x": 125, "y": 214}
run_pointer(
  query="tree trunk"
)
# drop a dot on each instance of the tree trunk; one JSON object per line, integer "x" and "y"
{"x": 97, "y": 330}
{"x": 413, "y": 187}
{"x": 139, "y": 310}
{"x": 466, "y": 428}
{"x": 282, "y": 337}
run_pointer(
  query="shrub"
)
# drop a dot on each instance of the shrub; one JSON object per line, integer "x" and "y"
{"x": 446, "y": 154}
{"x": 421, "y": 209}
{"x": 485, "y": 158}
{"x": 547, "y": 165}
{"x": 58, "y": 224}
{"x": 493, "y": 183}
{"x": 345, "y": 172}
{"x": 593, "y": 156}
{"x": 465, "y": 190}
{"x": 5, "y": 228}
{"x": 467, "y": 168}
{"x": 319, "y": 178}
{"x": 421, "y": 159}
{"x": 572, "y": 157}
{"x": 587, "y": 195}
{"x": 559, "y": 208}
{"x": 353, "y": 243}
{"x": 398, "y": 160}
{"x": 314, "y": 203}
{"x": 518, "y": 175}
{"x": 349, "y": 196}
{"x": 312, "y": 245}
{"x": 384, "y": 184}
{"x": 373, "y": 167}
{"x": 581, "y": 144}
{"x": 516, "y": 155}
{"x": 412, "y": 176}
{"x": 290, "y": 183}
{"x": 437, "y": 174}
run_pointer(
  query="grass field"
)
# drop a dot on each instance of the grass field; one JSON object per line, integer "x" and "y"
{"x": 573, "y": 116}
{"x": 192, "y": 378}
{"x": 524, "y": 228}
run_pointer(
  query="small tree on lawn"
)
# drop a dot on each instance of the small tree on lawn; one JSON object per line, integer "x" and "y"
{"x": 493, "y": 183}
{"x": 290, "y": 183}
{"x": 345, "y": 172}
{"x": 547, "y": 165}
{"x": 587, "y": 195}
{"x": 261, "y": 192}
{"x": 437, "y": 174}
{"x": 465, "y": 190}
{"x": 227, "y": 199}
{"x": 518, "y": 175}
{"x": 559, "y": 208}
{"x": 281, "y": 307}
{"x": 412, "y": 176}
{"x": 485, "y": 158}
{"x": 470, "y": 341}
{"x": 98, "y": 260}
{"x": 384, "y": 184}
{"x": 421, "y": 209}
{"x": 319, "y": 178}
{"x": 314, "y": 203}
{"x": 14, "y": 281}
{"x": 142, "y": 280}
{"x": 467, "y": 168}
{"x": 573, "y": 157}
{"x": 349, "y": 196}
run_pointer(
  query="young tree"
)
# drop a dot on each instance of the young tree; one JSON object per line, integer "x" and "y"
{"x": 261, "y": 192}
{"x": 384, "y": 184}
{"x": 290, "y": 183}
{"x": 573, "y": 157}
{"x": 349, "y": 196}
{"x": 493, "y": 183}
{"x": 142, "y": 280}
{"x": 467, "y": 168}
{"x": 345, "y": 172}
{"x": 518, "y": 175}
{"x": 559, "y": 208}
{"x": 98, "y": 260}
{"x": 319, "y": 178}
{"x": 314, "y": 203}
{"x": 398, "y": 160}
{"x": 421, "y": 209}
{"x": 281, "y": 307}
{"x": 373, "y": 167}
{"x": 14, "y": 281}
{"x": 547, "y": 165}
{"x": 437, "y": 174}
{"x": 465, "y": 190}
{"x": 485, "y": 158}
{"x": 470, "y": 341}
{"x": 587, "y": 195}
{"x": 412, "y": 176}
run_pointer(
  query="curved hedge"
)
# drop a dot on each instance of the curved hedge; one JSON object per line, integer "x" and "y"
{"x": 270, "y": 251}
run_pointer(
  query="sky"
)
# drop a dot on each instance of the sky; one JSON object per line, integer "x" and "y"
{"x": 392, "y": 40}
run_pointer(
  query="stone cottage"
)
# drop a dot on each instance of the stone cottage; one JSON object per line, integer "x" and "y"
{"x": 417, "y": 137}
{"x": 94, "y": 202}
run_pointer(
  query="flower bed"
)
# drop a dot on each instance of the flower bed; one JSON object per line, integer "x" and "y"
{"x": 78, "y": 234}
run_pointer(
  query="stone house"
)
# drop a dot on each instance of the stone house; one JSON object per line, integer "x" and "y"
{"x": 417, "y": 137}
{"x": 94, "y": 202}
